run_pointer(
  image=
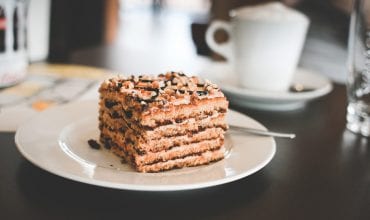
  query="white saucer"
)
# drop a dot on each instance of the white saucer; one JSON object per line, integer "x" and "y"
{"x": 56, "y": 141}
{"x": 223, "y": 75}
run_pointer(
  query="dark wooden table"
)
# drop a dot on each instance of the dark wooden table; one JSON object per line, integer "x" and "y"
{"x": 324, "y": 173}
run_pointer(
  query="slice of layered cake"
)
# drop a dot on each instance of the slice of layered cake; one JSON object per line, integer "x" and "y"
{"x": 163, "y": 122}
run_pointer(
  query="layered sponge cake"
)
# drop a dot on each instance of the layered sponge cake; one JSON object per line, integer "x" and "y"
{"x": 163, "y": 122}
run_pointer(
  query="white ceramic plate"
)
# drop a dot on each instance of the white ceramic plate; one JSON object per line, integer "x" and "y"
{"x": 223, "y": 75}
{"x": 56, "y": 141}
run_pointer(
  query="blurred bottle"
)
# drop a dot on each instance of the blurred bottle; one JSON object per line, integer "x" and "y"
{"x": 2, "y": 28}
{"x": 13, "y": 55}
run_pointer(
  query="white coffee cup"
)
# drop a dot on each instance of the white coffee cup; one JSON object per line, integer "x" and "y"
{"x": 264, "y": 46}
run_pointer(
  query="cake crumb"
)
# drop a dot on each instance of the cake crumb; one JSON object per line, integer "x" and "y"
{"x": 93, "y": 144}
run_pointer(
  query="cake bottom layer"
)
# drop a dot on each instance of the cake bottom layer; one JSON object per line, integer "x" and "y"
{"x": 188, "y": 161}
{"x": 178, "y": 153}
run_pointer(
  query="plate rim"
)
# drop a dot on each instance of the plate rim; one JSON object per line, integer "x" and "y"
{"x": 139, "y": 187}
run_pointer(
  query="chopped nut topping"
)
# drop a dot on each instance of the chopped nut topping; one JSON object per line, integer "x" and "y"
{"x": 168, "y": 88}
{"x": 155, "y": 84}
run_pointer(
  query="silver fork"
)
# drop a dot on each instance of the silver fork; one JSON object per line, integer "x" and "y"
{"x": 261, "y": 132}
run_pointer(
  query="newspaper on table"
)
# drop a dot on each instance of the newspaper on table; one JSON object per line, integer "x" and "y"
{"x": 47, "y": 85}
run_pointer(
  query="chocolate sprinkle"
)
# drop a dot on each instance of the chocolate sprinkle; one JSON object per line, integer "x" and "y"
{"x": 115, "y": 115}
{"x": 146, "y": 80}
{"x": 201, "y": 93}
{"x": 128, "y": 114}
{"x": 110, "y": 104}
{"x": 107, "y": 143}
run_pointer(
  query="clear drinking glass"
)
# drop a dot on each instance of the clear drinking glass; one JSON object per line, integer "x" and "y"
{"x": 358, "y": 82}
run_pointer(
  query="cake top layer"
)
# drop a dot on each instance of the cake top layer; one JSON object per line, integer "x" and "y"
{"x": 171, "y": 88}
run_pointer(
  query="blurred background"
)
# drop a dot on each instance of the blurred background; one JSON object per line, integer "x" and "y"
{"x": 136, "y": 36}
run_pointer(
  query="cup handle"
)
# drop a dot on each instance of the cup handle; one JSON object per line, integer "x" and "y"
{"x": 224, "y": 49}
